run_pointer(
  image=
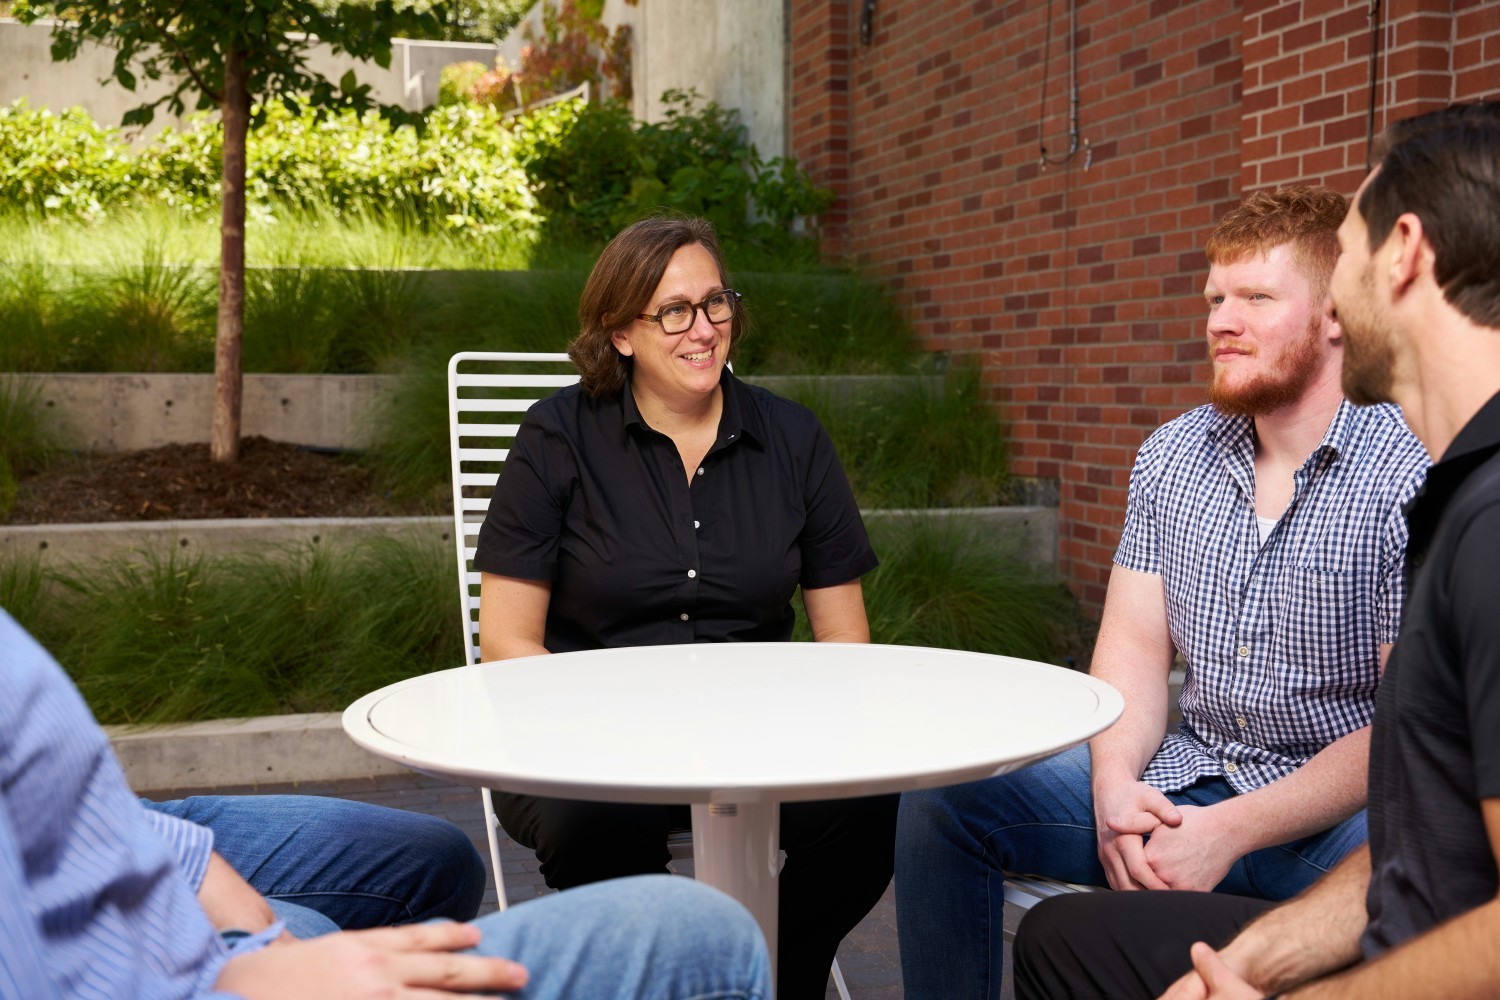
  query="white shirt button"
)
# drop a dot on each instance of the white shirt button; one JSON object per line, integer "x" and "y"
{"x": 683, "y": 617}
{"x": 1241, "y": 721}
{"x": 695, "y": 525}
{"x": 692, "y": 573}
{"x": 700, "y": 470}
{"x": 1230, "y": 768}
{"x": 1244, "y": 651}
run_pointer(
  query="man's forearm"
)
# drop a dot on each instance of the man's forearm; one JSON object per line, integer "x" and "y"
{"x": 1320, "y": 794}
{"x": 1122, "y": 751}
{"x": 1310, "y": 936}
{"x": 1456, "y": 961}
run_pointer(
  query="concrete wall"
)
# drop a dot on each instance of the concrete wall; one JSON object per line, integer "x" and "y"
{"x": 731, "y": 51}
{"x": 27, "y": 70}
{"x": 132, "y": 411}
{"x": 1027, "y": 534}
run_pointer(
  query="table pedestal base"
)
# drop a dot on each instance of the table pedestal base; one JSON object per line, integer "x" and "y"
{"x": 735, "y": 849}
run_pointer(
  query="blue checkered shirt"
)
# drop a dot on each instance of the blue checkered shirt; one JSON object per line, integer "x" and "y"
{"x": 1281, "y": 640}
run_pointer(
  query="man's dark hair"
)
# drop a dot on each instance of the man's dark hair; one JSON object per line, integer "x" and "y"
{"x": 1444, "y": 167}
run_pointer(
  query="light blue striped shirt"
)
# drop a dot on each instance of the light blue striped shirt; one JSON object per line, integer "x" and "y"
{"x": 1282, "y": 639}
{"x": 97, "y": 896}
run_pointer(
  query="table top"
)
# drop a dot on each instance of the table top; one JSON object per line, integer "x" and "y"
{"x": 732, "y": 722}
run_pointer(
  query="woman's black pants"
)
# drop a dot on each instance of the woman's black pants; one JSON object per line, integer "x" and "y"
{"x": 839, "y": 857}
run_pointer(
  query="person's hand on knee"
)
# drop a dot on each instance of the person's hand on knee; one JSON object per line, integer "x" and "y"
{"x": 362, "y": 965}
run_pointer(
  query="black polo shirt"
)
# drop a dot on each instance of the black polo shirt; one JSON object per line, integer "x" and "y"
{"x": 595, "y": 501}
{"x": 1435, "y": 749}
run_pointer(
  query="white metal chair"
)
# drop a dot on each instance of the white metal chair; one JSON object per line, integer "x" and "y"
{"x": 488, "y": 391}
{"x": 487, "y": 394}
{"x": 1026, "y": 891}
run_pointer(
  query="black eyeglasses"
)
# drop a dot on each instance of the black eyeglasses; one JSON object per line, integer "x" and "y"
{"x": 678, "y": 317}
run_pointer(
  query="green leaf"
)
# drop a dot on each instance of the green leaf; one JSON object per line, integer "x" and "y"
{"x": 348, "y": 82}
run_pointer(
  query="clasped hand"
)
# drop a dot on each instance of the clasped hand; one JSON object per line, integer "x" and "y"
{"x": 1146, "y": 842}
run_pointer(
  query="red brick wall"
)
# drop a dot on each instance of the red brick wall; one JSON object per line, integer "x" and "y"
{"x": 1077, "y": 285}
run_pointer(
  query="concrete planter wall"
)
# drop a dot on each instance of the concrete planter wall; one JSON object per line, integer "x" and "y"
{"x": 127, "y": 412}
{"x": 122, "y": 412}
{"x": 1027, "y": 533}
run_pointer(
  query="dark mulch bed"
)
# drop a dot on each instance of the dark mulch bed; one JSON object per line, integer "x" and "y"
{"x": 271, "y": 479}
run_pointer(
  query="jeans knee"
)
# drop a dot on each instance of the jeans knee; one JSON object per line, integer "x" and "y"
{"x": 461, "y": 867}
{"x": 922, "y": 813}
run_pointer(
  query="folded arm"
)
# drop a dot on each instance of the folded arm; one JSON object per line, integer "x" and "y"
{"x": 1299, "y": 949}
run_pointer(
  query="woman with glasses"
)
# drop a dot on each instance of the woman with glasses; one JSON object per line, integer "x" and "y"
{"x": 661, "y": 500}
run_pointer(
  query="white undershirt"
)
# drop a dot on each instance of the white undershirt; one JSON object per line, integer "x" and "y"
{"x": 1266, "y": 525}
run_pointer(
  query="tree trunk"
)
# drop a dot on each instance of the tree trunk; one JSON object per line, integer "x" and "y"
{"x": 228, "y": 377}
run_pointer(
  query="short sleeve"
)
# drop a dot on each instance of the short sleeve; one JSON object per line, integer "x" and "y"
{"x": 1140, "y": 541}
{"x": 1472, "y": 592}
{"x": 523, "y": 527}
{"x": 835, "y": 546}
{"x": 1390, "y": 587}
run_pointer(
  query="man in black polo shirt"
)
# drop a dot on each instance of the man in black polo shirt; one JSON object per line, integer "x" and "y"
{"x": 1417, "y": 912}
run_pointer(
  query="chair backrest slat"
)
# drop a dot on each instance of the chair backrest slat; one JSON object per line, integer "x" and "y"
{"x": 481, "y": 383}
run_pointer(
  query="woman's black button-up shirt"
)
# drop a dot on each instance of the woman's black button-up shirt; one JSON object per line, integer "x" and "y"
{"x": 596, "y": 502}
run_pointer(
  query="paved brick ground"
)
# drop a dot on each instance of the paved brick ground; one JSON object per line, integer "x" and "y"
{"x": 868, "y": 957}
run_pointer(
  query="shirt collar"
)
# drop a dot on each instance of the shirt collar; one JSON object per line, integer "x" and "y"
{"x": 1475, "y": 442}
{"x": 1238, "y": 431}
{"x": 740, "y": 417}
{"x": 1481, "y": 433}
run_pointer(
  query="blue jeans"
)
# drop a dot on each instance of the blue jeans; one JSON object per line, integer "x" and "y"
{"x": 954, "y": 845}
{"x": 650, "y": 937}
{"x": 326, "y": 864}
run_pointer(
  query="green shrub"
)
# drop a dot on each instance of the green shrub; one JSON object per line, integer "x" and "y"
{"x": 819, "y": 323}
{"x": 145, "y": 313}
{"x": 31, "y": 438}
{"x": 951, "y": 584}
{"x": 917, "y": 444}
{"x": 595, "y": 170}
{"x": 573, "y": 172}
{"x": 163, "y": 638}
{"x": 456, "y": 81}
{"x": 29, "y": 298}
{"x": 61, "y": 163}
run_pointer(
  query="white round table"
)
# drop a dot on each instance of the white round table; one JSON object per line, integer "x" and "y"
{"x": 734, "y": 729}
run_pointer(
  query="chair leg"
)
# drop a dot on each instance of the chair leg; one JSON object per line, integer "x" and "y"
{"x": 838, "y": 980}
{"x": 491, "y": 828}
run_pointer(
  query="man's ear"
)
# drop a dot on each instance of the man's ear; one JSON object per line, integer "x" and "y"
{"x": 1411, "y": 254}
{"x": 621, "y": 342}
{"x": 1331, "y": 328}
